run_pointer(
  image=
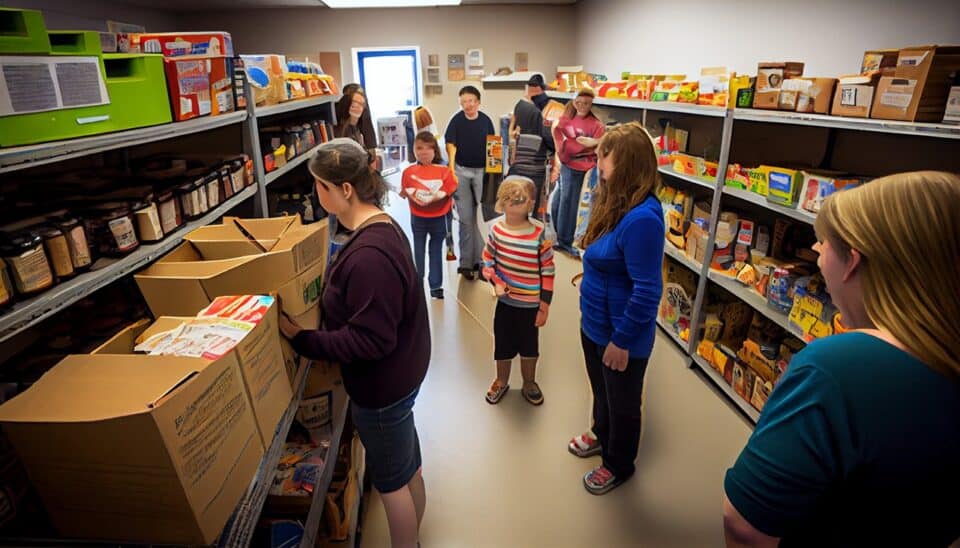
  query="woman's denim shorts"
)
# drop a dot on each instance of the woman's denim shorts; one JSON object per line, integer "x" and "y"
{"x": 390, "y": 439}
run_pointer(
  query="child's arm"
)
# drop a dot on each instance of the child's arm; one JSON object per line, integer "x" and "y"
{"x": 547, "y": 274}
{"x": 447, "y": 188}
{"x": 489, "y": 270}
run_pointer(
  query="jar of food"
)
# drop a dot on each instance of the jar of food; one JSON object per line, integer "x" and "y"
{"x": 168, "y": 206}
{"x": 226, "y": 181}
{"x": 73, "y": 229}
{"x": 147, "y": 217}
{"x": 29, "y": 267}
{"x": 112, "y": 228}
{"x": 58, "y": 252}
{"x": 212, "y": 182}
{"x": 189, "y": 198}
{"x": 200, "y": 187}
{"x": 7, "y": 292}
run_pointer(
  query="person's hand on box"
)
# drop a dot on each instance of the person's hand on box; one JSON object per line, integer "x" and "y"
{"x": 288, "y": 327}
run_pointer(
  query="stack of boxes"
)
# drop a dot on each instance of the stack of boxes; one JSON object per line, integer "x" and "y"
{"x": 199, "y": 68}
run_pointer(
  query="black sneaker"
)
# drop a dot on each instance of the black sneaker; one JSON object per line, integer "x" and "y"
{"x": 436, "y": 293}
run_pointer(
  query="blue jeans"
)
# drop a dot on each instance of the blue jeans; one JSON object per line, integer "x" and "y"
{"x": 390, "y": 437}
{"x": 436, "y": 228}
{"x": 566, "y": 203}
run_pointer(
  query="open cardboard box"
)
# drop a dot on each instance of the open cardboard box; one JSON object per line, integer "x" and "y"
{"x": 240, "y": 257}
{"x": 133, "y": 448}
{"x": 259, "y": 356}
{"x": 918, "y": 89}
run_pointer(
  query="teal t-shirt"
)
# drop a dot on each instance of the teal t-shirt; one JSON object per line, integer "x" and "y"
{"x": 859, "y": 444}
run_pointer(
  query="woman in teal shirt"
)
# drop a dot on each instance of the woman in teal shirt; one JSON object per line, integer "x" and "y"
{"x": 859, "y": 444}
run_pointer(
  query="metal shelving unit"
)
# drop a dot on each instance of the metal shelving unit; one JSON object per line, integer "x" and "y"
{"x": 721, "y": 383}
{"x": 17, "y": 158}
{"x": 312, "y": 525}
{"x": 28, "y": 313}
{"x": 673, "y": 336}
{"x": 290, "y": 106}
{"x": 918, "y": 129}
{"x": 755, "y": 300}
{"x": 289, "y": 166}
{"x": 756, "y": 199}
{"x": 700, "y": 181}
{"x": 660, "y": 106}
{"x": 240, "y": 528}
{"x": 681, "y": 257}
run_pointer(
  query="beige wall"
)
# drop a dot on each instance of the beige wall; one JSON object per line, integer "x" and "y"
{"x": 830, "y": 36}
{"x": 93, "y": 15}
{"x": 499, "y": 30}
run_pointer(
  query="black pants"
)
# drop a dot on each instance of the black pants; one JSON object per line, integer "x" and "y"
{"x": 617, "y": 398}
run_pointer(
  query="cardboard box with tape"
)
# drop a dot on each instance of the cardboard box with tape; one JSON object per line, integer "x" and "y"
{"x": 138, "y": 448}
{"x": 854, "y": 96}
{"x": 241, "y": 256}
{"x": 770, "y": 77}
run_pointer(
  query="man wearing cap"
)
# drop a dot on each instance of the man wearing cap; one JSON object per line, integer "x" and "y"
{"x": 533, "y": 140}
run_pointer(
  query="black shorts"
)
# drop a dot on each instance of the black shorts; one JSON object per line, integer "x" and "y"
{"x": 514, "y": 332}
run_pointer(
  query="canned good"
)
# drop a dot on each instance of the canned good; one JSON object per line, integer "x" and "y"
{"x": 147, "y": 217}
{"x": 171, "y": 217}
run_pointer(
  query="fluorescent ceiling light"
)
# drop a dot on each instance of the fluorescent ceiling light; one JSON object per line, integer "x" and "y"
{"x": 389, "y": 3}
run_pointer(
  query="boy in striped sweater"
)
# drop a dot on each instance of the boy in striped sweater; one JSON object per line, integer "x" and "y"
{"x": 518, "y": 261}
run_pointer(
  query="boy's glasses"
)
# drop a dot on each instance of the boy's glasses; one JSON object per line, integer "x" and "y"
{"x": 519, "y": 201}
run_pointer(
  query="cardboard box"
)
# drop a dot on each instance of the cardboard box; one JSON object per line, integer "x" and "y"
{"x": 322, "y": 396}
{"x": 151, "y": 450}
{"x": 854, "y": 96}
{"x": 918, "y": 89}
{"x": 222, "y": 98}
{"x": 818, "y": 96}
{"x": 259, "y": 355}
{"x": 770, "y": 77}
{"x": 189, "y": 83}
{"x": 282, "y": 255}
{"x": 183, "y": 44}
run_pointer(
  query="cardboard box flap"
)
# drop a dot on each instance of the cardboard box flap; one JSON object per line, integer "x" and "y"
{"x": 859, "y": 80}
{"x": 93, "y": 388}
{"x": 268, "y": 229}
{"x": 126, "y": 338}
{"x": 196, "y": 270}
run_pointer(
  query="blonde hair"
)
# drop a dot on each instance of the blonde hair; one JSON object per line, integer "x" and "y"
{"x": 634, "y": 178}
{"x": 907, "y": 229}
{"x": 513, "y": 188}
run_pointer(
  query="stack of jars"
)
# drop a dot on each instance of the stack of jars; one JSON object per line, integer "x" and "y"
{"x": 113, "y": 219}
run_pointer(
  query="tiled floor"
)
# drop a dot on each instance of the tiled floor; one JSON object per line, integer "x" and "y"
{"x": 501, "y": 475}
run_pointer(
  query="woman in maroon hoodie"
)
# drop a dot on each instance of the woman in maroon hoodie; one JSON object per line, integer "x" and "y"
{"x": 375, "y": 325}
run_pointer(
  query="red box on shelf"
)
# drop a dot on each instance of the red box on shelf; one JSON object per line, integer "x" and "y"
{"x": 189, "y": 83}
{"x": 183, "y": 44}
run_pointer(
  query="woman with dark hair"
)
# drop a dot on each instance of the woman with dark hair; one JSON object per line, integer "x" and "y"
{"x": 375, "y": 326}
{"x": 354, "y": 120}
{"x": 576, "y": 136}
{"x": 619, "y": 295}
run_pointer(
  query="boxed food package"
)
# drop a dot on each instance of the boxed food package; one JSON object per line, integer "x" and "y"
{"x": 880, "y": 60}
{"x": 222, "y": 94}
{"x": 257, "y": 349}
{"x": 168, "y": 443}
{"x": 817, "y": 96}
{"x": 267, "y": 77}
{"x": 189, "y": 83}
{"x": 919, "y": 87}
{"x": 952, "y": 113}
{"x": 790, "y": 92}
{"x": 818, "y": 184}
{"x": 183, "y": 44}
{"x": 783, "y": 185}
{"x": 714, "y": 86}
{"x": 240, "y": 256}
{"x": 854, "y": 96}
{"x": 770, "y": 77}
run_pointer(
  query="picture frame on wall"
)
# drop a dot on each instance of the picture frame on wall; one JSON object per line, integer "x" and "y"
{"x": 433, "y": 60}
{"x": 456, "y": 67}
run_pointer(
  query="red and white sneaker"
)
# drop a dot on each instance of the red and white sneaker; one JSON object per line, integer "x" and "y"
{"x": 584, "y": 446}
{"x": 600, "y": 481}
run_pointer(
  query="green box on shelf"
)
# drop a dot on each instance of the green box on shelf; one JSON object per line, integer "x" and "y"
{"x": 783, "y": 186}
{"x": 137, "y": 91}
{"x": 23, "y": 32}
{"x": 75, "y": 42}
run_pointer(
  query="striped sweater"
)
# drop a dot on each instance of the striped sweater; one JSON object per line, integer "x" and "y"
{"x": 522, "y": 259}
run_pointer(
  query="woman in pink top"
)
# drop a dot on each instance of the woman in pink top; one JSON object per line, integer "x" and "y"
{"x": 576, "y": 136}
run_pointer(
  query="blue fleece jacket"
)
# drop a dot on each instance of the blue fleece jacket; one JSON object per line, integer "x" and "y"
{"x": 623, "y": 280}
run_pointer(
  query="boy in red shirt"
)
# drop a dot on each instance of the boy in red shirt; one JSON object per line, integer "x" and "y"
{"x": 429, "y": 186}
